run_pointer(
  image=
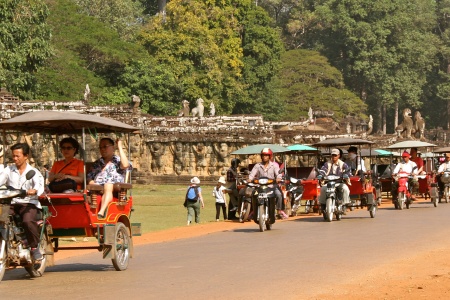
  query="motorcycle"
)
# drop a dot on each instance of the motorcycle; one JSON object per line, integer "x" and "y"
{"x": 263, "y": 203}
{"x": 404, "y": 196}
{"x": 445, "y": 179}
{"x": 334, "y": 194}
{"x": 245, "y": 201}
{"x": 14, "y": 248}
{"x": 294, "y": 194}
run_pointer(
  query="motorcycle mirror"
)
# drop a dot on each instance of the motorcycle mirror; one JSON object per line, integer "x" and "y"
{"x": 30, "y": 174}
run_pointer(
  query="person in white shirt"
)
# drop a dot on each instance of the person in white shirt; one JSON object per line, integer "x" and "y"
{"x": 442, "y": 168}
{"x": 355, "y": 162}
{"x": 407, "y": 166}
{"x": 219, "y": 193}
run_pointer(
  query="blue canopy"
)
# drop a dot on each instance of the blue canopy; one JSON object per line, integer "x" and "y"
{"x": 300, "y": 147}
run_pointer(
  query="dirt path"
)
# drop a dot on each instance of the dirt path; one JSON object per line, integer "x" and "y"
{"x": 423, "y": 276}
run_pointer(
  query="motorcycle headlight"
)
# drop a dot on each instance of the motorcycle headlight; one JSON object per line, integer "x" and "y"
{"x": 264, "y": 181}
{"x": 332, "y": 177}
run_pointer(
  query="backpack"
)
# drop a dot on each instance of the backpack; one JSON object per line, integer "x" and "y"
{"x": 189, "y": 196}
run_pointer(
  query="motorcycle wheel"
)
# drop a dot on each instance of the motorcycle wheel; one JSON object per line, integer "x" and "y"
{"x": 401, "y": 200}
{"x": 446, "y": 194}
{"x": 329, "y": 210}
{"x": 122, "y": 244}
{"x": 261, "y": 218}
{"x": 308, "y": 206}
{"x": 245, "y": 212}
{"x": 3, "y": 262}
{"x": 338, "y": 214}
{"x": 373, "y": 210}
{"x": 408, "y": 203}
{"x": 38, "y": 269}
{"x": 268, "y": 225}
{"x": 434, "y": 196}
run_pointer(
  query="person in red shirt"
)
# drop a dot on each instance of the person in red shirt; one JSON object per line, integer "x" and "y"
{"x": 419, "y": 161}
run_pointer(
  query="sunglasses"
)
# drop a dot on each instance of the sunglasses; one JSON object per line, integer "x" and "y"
{"x": 105, "y": 147}
{"x": 334, "y": 155}
{"x": 67, "y": 148}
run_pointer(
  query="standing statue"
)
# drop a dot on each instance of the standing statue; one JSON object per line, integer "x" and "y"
{"x": 222, "y": 154}
{"x": 87, "y": 93}
{"x": 199, "y": 110}
{"x": 184, "y": 112}
{"x": 157, "y": 150}
{"x": 419, "y": 125}
{"x": 406, "y": 127}
{"x": 200, "y": 152}
{"x": 212, "y": 110}
{"x": 136, "y": 101}
{"x": 179, "y": 154}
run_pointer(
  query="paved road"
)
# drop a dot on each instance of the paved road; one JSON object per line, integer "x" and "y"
{"x": 296, "y": 260}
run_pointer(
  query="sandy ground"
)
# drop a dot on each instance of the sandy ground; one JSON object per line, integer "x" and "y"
{"x": 423, "y": 276}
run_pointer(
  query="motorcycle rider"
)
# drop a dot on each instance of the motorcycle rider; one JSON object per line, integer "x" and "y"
{"x": 27, "y": 207}
{"x": 335, "y": 167}
{"x": 267, "y": 168}
{"x": 355, "y": 162}
{"x": 407, "y": 166}
{"x": 442, "y": 167}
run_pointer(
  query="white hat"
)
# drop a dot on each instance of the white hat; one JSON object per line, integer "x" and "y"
{"x": 195, "y": 180}
{"x": 222, "y": 180}
{"x": 335, "y": 151}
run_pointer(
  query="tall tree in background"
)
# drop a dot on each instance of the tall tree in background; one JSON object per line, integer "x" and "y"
{"x": 384, "y": 48}
{"x": 124, "y": 16}
{"x": 24, "y": 44}
{"x": 308, "y": 80}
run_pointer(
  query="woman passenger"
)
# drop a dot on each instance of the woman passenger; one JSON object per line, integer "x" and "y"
{"x": 70, "y": 167}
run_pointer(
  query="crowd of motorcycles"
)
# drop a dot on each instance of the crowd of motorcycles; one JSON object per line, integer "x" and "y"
{"x": 259, "y": 195}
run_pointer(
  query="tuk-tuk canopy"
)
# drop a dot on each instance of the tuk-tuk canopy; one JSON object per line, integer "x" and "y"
{"x": 342, "y": 142}
{"x": 61, "y": 122}
{"x": 300, "y": 147}
{"x": 255, "y": 149}
{"x": 410, "y": 144}
{"x": 375, "y": 152}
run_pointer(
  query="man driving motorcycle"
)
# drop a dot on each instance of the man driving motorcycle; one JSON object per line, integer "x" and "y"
{"x": 267, "y": 168}
{"x": 27, "y": 207}
{"x": 407, "y": 166}
{"x": 442, "y": 168}
{"x": 335, "y": 167}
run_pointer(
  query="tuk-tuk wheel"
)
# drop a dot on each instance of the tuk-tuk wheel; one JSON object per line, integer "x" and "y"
{"x": 122, "y": 245}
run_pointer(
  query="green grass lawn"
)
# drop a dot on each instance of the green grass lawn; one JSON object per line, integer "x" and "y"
{"x": 159, "y": 207}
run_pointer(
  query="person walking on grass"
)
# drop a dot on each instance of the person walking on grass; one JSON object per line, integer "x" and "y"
{"x": 219, "y": 193}
{"x": 193, "y": 201}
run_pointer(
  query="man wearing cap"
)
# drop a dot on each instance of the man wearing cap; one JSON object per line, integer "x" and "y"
{"x": 335, "y": 167}
{"x": 407, "y": 166}
{"x": 267, "y": 168}
{"x": 355, "y": 163}
{"x": 442, "y": 168}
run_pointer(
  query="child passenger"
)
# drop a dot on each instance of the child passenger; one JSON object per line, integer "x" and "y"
{"x": 219, "y": 193}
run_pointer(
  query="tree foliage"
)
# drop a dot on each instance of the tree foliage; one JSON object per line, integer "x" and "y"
{"x": 308, "y": 80}
{"x": 24, "y": 44}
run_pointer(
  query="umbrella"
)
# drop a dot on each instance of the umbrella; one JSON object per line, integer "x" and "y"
{"x": 442, "y": 150}
{"x": 63, "y": 123}
{"x": 375, "y": 152}
{"x": 342, "y": 142}
{"x": 299, "y": 147}
{"x": 255, "y": 149}
{"x": 410, "y": 144}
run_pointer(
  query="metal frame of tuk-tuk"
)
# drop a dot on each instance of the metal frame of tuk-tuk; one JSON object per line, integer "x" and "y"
{"x": 363, "y": 192}
{"x": 75, "y": 214}
{"x": 308, "y": 177}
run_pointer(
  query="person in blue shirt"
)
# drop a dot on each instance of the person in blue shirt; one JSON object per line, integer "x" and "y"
{"x": 194, "y": 201}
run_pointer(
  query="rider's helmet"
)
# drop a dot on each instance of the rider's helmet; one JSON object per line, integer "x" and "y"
{"x": 267, "y": 151}
{"x": 235, "y": 163}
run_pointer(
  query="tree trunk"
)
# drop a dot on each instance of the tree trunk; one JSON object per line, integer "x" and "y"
{"x": 162, "y": 6}
{"x": 448, "y": 115}
{"x": 384, "y": 118}
{"x": 396, "y": 115}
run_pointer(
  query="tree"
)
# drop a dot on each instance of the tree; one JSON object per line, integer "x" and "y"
{"x": 384, "y": 48}
{"x": 308, "y": 80}
{"x": 25, "y": 44}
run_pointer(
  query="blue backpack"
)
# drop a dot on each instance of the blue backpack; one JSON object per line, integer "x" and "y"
{"x": 191, "y": 195}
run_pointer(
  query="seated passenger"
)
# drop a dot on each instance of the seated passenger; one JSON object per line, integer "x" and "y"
{"x": 355, "y": 162}
{"x": 107, "y": 170}
{"x": 68, "y": 168}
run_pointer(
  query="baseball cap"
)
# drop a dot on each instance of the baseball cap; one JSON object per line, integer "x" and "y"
{"x": 335, "y": 151}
